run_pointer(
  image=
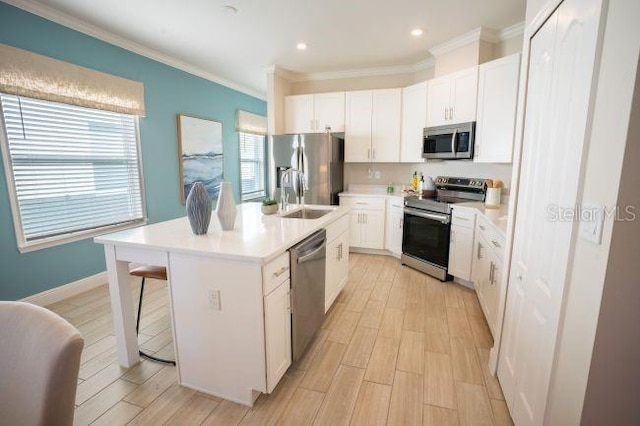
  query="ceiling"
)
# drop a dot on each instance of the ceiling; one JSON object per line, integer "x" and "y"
{"x": 341, "y": 35}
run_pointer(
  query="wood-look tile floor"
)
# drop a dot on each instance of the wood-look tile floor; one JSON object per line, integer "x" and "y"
{"x": 397, "y": 348}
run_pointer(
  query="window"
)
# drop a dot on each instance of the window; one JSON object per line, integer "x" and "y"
{"x": 72, "y": 171}
{"x": 252, "y": 165}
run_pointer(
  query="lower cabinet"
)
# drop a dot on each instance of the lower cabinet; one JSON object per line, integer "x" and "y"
{"x": 488, "y": 253}
{"x": 337, "y": 268}
{"x": 393, "y": 229}
{"x": 366, "y": 223}
{"x": 277, "y": 327}
{"x": 461, "y": 243}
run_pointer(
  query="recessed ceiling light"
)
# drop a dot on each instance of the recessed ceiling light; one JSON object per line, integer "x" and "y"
{"x": 416, "y": 32}
{"x": 301, "y": 46}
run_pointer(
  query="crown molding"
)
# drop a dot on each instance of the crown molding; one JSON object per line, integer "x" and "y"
{"x": 366, "y": 72}
{"x": 512, "y": 31}
{"x": 58, "y": 17}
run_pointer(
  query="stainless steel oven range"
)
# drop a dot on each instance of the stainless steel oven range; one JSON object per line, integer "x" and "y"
{"x": 427, "y": 224}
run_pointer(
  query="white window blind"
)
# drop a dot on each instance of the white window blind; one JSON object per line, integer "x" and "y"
{"x": 74, "y": 170}
{"x": 252, "y": 165}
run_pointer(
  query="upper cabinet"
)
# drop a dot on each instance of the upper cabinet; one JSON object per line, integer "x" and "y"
{"x": 314, "y": 113}
{"x": 414, "y": 120}
{"x": 497, "y": 101}
{"x": 373, "y": 126}
{"x": 452, "y": 98}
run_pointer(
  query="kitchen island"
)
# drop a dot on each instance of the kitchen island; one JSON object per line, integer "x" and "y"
{"x": 228, "y": 293}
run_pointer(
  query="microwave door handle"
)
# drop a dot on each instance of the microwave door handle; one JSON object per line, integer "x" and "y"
{"x": 453, "y": 142}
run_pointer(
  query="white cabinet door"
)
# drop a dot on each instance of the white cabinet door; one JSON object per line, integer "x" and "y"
{"x": 359, "y": 109}
{"x": 337, "y": 268}
{"x": 414, "y": 120}
{"x": 393, "y": 230}
{"x": 497, "y": 99}
{"x": 355, "y": 228}
{"x": 386, "y": 125}
{"x": 277, "y": 329}
{"x": 464, "y": 94}
{"x": 298, "y": 114}
{"x": 329, "y": 109}
{"x": 562, "y": 58}
{"x": 372, "y": 229}
{"x": 461, "y": 252}
{"x": 438, "y": 101}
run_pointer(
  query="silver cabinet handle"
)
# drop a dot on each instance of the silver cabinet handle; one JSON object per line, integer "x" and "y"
{"x": 401, "y": 223}
{"x": 446, "y": 117}
{"x": 452, "y": 237}
{"x": 360, "y": 203}
{"x": 364, "y": 216}
{"x": 484, "y": 228}
{"x": 373, "y": 151}
{"x": 280, "y": 271}
{"x": 368, "y": 153}
{"x": 479, "y": 255}
{"x": 495, "y": 268}
{"x": 451, "y": 113}
{"x": 491, "y": 273}
{"x": 495, "y": 243}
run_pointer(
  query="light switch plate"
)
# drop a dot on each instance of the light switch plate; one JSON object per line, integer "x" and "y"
{"x": 214, "y": 299}
{"x": 591, "y": 223}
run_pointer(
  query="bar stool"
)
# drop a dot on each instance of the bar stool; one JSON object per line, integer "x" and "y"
{"x": 159, "y": 273}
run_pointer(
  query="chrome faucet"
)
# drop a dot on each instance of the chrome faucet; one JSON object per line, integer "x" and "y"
{"x": 301, "y": 187}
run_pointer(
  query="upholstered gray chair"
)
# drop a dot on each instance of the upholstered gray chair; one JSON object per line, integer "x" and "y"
{"x": 39, "y": 364}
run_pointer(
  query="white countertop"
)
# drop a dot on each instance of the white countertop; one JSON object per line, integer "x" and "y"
{"x": 497, "y": 217}
{"x": 255, "y": 237}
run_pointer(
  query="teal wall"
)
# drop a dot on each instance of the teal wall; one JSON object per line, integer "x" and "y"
{"x": 168, "y": 91}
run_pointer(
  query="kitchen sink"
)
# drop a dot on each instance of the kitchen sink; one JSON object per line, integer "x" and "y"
{"x": 305, "y": 213}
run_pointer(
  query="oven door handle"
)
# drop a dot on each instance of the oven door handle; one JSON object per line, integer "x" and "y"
{"x": 443, "y": 218}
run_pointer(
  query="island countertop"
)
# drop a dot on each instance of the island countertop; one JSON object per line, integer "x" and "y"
{"x": 255, "y": 237}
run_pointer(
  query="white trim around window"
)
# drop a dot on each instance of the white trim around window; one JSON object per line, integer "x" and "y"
{"x": 112, "y": 200}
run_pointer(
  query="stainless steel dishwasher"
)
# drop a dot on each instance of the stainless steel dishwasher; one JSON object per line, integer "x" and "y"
{"x": 308, "y": 260}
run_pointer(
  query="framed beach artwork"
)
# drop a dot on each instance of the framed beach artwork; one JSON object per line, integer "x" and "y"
{"x": 201, "y": 154}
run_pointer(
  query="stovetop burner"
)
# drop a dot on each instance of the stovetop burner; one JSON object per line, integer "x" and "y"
{"x": 450, "y": 190}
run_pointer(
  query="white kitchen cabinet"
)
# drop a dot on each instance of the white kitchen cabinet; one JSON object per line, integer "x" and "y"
{"x": 277, "y": 324}
{"x": 358, "y": 120}
{"x": 366, "y": 227}
{"x": 414, "y": 120}
{"x": 393, "y": 229}
{"x": 488, "y": 255}
{"x": 314, "y": 113}
{"x": 451, "y": 99}
{"x": 386, "y": 125}
{"x": 337, "y": 268}
{"x": 497, "y": 101}
{"x": 373, "y": 126}
{"x": 461, "y": 243}
{"x": 337, "y": 265}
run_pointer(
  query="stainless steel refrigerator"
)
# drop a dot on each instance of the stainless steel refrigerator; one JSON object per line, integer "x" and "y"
{"x": 319, "y": 156}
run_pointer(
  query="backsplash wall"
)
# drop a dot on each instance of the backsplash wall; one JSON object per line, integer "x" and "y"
{"x": 400, "y": 173}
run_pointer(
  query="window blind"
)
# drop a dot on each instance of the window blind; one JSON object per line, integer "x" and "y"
{"x": 252, "y": 165}
{"x": 74, "y": 169}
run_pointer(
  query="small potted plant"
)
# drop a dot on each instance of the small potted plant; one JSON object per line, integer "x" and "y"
{"x": 269, "y": 206}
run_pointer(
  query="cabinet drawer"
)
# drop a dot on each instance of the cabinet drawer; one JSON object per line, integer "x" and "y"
{"x": 493, "y": 237}
{"x": 334, "y": 229}
{"x": 275, "y": 272}
{"x": 463, "y": 218}
{"x": 363, "y": 203}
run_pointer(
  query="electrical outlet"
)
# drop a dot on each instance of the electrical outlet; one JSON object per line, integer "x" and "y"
{"x": 214, "y": 299}
{"x": 377, "y": 174}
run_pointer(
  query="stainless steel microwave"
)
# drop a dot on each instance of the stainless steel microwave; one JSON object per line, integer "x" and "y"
{"x": 450, "y": 142}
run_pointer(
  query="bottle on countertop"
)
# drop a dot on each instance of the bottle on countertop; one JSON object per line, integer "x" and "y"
{"x": 390, "y": 188}
{"x": 420, "y": 185}
{"x": 414, "y": 181}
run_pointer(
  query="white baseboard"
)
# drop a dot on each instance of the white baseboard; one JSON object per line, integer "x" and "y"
{"x": 67, "y": 290}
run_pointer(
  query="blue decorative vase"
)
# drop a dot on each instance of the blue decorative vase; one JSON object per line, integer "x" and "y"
{"x": 199, "y": 209}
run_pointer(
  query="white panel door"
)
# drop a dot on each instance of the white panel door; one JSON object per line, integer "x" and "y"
{"x": 438, "y": 101}
{"x": 496, "y": 118}
{"x": 372, "y": 230}
{"x": 386, "y": 125}
{"x": 357, "y": 144}
{"x": 298, "y": 114}
{"x": 393, "y": 230}
{"x": 562, "y": 59}
{"x": 464, "y": 94}
{"x": 277, "y": 330}
{"x": 329, "y": 111}
{"x": 414, "y": 120}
